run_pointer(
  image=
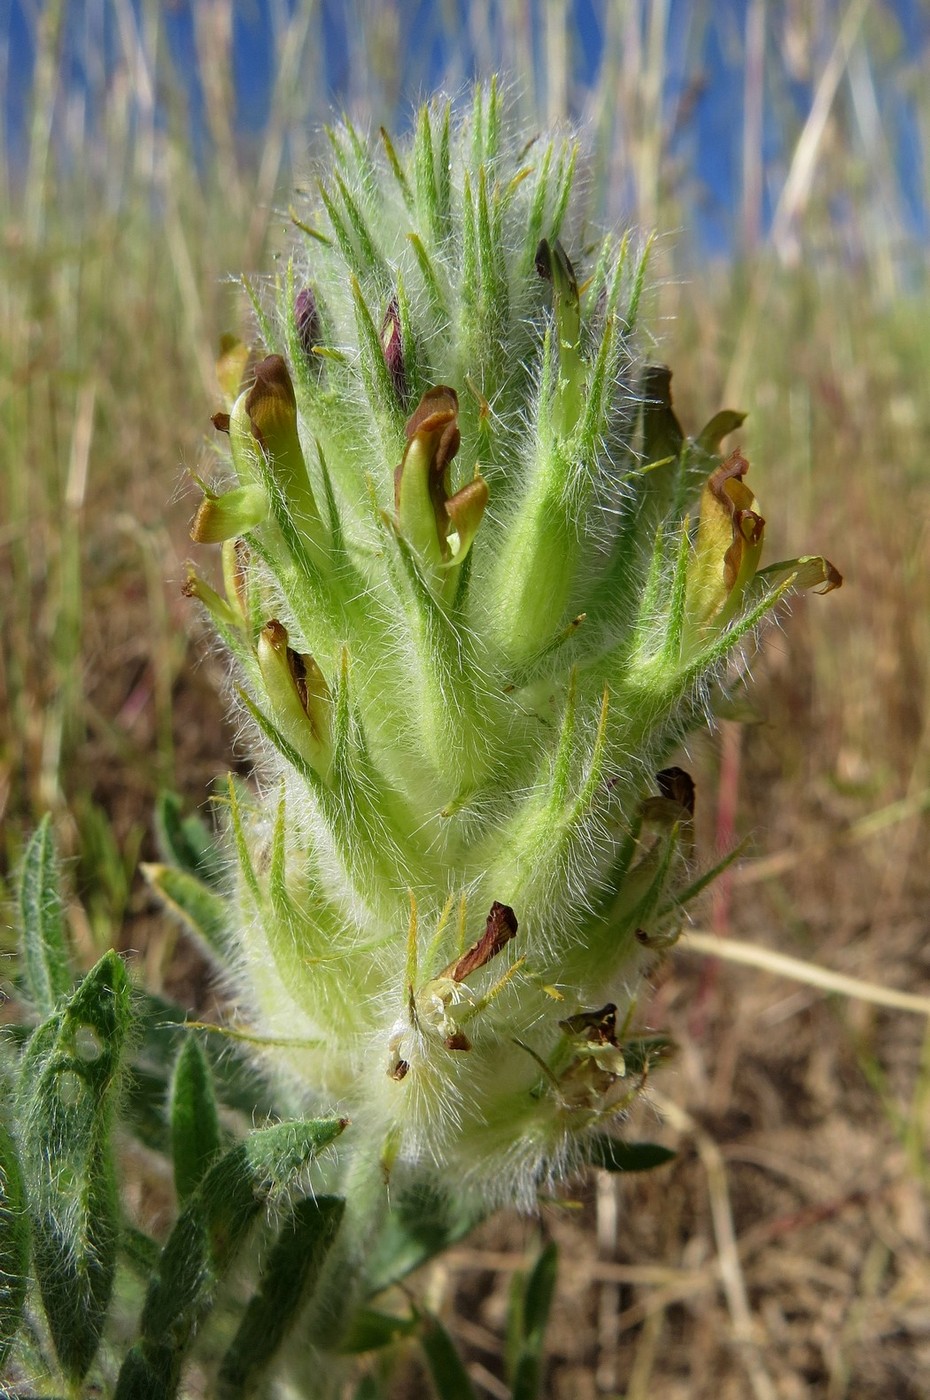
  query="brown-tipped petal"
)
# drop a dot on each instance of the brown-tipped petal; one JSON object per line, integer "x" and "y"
{"x": 501, "y": 927}
{"x": 466, "y": 511}
{"x": 217, "y": 607}
{"x": 234, "y": 513}
{"x": 299, "y": 696}
{"x": 600, "y": 1027}
{"x": 441, "y": 403}
{"x": 421, "y": 486}
{"x": 728, "y": 544}
{"x": 220, "y": 422}
{"x": 809, "y": 570}
{"x": 678, "y": 786}
{"x": 271, "y": 404}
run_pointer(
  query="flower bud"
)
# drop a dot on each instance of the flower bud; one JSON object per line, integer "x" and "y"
{"x": 266, "y": 414}
{"x": 421, "y": 482}
{"x": 393, "y": 347}
{"x": 300, "y": 699}
{"x": 307, "y": 321}
{"x": 727, "y": 548}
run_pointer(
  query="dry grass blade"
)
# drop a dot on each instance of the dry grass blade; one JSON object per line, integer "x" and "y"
{"x": 751, "y": 955}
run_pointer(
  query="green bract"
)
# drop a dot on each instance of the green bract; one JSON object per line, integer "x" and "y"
{"x": 477, "y": 585}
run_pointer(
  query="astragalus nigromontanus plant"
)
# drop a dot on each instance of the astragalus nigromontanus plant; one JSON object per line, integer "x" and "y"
{"x": 477, "y": 587}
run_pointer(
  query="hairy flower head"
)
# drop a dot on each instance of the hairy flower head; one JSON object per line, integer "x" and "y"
{"x": 485, "y": 585}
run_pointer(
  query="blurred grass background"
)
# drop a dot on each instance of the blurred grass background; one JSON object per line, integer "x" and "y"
{"x": 786, "y": 1252}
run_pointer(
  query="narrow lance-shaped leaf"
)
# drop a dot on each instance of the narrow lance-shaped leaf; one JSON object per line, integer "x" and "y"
{"x": 14, "y": 1244}
{"x": 68, "y": 1089}
{"x": 446, "y": 1368}
{"x": 46, "y": 963}
{"x": 612, "y": 1155}
{"x": 203, "y": 1244}
{"x": 288, "y": 1280}
{"x": 531, "y": 1302}
{"x": 195, "y": 1129}
{"x": 422, "y": 1222}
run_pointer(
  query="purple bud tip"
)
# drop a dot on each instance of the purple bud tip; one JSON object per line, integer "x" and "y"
{"x": 392, "y": 345}
{"x": 307, "y": 320}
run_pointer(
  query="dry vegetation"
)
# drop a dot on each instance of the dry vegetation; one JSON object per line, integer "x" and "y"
{"x": 784, "y": 1253}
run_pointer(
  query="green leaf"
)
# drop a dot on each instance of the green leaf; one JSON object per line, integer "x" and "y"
{"x": 422, "y": 1223}
{"x": 161, "y": 1032}
{"x": 208, "y": 1235}
{"x": 540, "y": 1290}
{"x": 611, "y": 1155}
{"x": 186, "y": 842}
{"x": 450, "y": 1379}
{"x": 46, "y": 963}
{"x": 68, "y": 1090}
{"x": 14, "y": 1244}
{"x": 531, "y": 1302}
{"x": 203, "y": 912}
{"x": 287, "y": 1281}
{"x": 195, "y": 1128}
{"x": 370, "y": 1330}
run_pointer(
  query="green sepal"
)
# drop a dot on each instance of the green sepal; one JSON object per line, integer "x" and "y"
{"x": 287, "y": 1281}
{"x": 43, "y": 945}
{"x": 186, "y": 841}
{"x": 203, "y": 912}
{"x": 611, "y": 1155}
{"x": 208, "y": 1235}
{"x": 195, "y": 1127}
{"x": 446, "y": 1368}
{"x": 14, "y": 1244}
{"x": 68, "y": 1089}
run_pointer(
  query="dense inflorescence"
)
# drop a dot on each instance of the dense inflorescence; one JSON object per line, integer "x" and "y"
{"x": 477, "y": 586}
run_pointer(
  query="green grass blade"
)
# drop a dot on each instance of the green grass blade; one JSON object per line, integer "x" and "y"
{"x": 68, "y": 1091}
{"x": 195, "y": 1128}
{"x": 46, "y": 963}
{"x": 288, "y": 1280}
{"x": 533, "y": 1304}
